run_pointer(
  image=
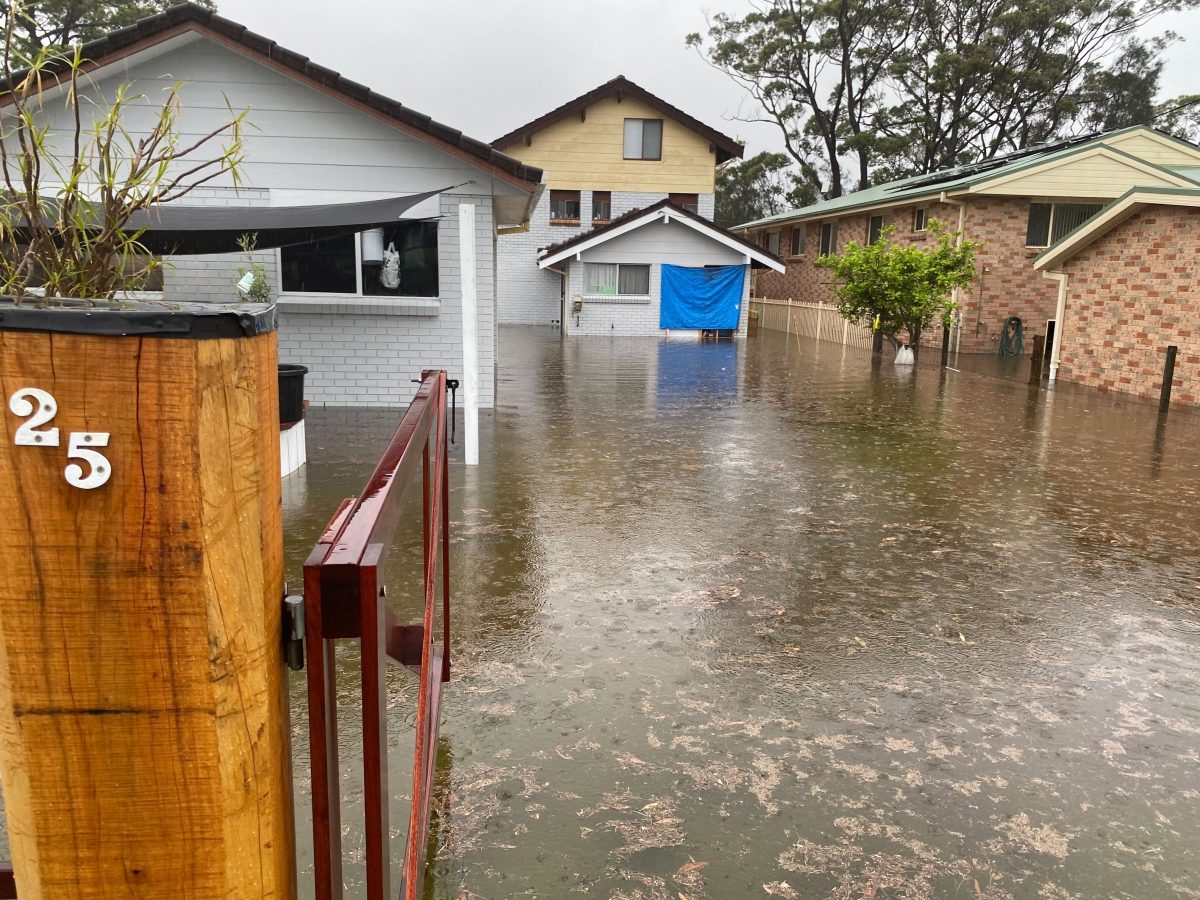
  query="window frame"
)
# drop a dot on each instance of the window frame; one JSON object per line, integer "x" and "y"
{"x": 682, "y": 200}
{"x": 828, "y": 238}
{"x": 796, "y": 252}
{"x": 578, "y": 200}
{"x": 601, "y": 220}
{"x": 921, "y": 215}
{"x": 875, "y": 235}
{"x": 618, "y": 295}
{"x": 358, "y": 294}
{"x": 1051, "y": 240}
{"x": 641, "y": 140}
{"x": 773, "y": 237}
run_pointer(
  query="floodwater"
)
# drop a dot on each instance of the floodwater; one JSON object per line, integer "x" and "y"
{"x": 757, "y": 620}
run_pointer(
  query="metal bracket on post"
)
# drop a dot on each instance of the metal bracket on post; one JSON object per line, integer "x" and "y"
{"x": 293, "y": 631}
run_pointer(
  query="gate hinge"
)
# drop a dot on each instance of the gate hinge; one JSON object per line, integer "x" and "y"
{"x": 293, "y": 631}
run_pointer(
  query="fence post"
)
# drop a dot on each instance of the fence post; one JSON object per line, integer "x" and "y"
{"x": 143, "y": 697}
{"x": 1035, "y": 368}
{"x": 1164, "y": 397}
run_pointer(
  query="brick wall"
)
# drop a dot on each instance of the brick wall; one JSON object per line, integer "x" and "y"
{"x": 1129, "y": 296}
{"x": 1008, "y": 284}
{"x": 527, "y": 295}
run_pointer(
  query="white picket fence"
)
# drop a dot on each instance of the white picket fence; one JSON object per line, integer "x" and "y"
{"x": 821, "y": 321}
{"x": 814, "y": 320}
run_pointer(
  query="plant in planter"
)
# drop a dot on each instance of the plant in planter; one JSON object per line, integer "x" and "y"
{"x": 897, "y": 289}
{"x": 252, "y": 282}
{"x": 68, "y": 193}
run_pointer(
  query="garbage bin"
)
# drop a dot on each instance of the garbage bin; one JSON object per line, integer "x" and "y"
{"x": 291, "y": 393}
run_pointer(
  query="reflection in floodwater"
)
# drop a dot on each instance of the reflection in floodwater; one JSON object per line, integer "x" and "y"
{"x": 760, "y": 620}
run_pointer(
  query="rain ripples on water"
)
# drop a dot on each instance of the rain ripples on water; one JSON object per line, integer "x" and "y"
{"x": 757, "y": 620}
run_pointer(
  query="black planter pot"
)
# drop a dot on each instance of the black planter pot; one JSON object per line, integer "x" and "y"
{"x": 291, "y": 393}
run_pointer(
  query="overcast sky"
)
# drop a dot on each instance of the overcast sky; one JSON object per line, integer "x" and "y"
{"x": 488, "y": 66}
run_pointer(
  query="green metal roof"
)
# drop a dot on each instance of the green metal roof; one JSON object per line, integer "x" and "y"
{"x": 933, "y": 184}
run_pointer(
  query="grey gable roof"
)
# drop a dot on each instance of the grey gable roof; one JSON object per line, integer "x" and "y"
{"x": 184, "y": 17}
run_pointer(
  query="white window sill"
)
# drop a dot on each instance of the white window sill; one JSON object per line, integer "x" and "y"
{"x": 363, "y": 306}
{"x": 616, "y": 298}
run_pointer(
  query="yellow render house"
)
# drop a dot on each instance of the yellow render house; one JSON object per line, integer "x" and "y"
{"x": 607, "y": 153}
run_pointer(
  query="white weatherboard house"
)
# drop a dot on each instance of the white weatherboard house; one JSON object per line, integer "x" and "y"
{"x": 662, "y": 270}
{"x": 316, "y": 138}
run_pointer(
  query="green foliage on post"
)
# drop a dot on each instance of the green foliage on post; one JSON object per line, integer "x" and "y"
{"x": 895, "y": 288}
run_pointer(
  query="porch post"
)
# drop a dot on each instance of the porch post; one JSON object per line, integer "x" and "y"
{"x": 466, "y": 257}
{"x": 143, "y": 701}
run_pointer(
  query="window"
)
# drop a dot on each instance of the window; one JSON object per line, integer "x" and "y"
{"x": 614, "y": 278}
{"x": 417, "y": 244}
{"x": 798, "y": 240}
{"x": 1051, "y": 222}
{"x": 690, "y": 202}
{"x": 874, "y": 229}
{"x": 828, "y": 238}
{"x": 333, "y": 265}
{"x": 601, "y": 207}
{"x": 564, "y": 207}
{"x": 920, "y": 219}
{"x": 643, "y": 138}
{"x": 773, "y": 242}
{"x": 320, "y": 267}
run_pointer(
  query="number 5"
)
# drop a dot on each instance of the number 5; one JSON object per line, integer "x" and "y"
{"x": 80, "y": 447}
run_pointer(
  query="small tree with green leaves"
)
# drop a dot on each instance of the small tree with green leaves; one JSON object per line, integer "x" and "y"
{"x": 898, "y": 289}
{"x": 68, "y": 193}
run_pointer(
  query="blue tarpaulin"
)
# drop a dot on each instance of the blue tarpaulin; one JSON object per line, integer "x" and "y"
{"x": 709, "y": 297}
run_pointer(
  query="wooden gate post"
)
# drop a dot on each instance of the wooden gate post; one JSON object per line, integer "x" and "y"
{"x": 143, "y": 707}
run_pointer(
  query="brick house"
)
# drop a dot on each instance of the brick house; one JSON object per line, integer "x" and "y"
{"x": 610, "y": 151}
{"x": 1015, "y": 206}
{"x": 314, "y": 137}
{"x": 1128, "y": 286}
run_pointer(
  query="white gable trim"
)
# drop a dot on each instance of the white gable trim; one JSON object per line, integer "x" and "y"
{"x": 665, "y": 216}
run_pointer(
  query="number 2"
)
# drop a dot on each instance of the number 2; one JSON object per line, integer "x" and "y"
{"x": 80, "y": 446}
{"x": 28, "y": 433}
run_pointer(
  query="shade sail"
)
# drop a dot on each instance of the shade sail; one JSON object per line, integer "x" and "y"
{"x": 180, "y": 230}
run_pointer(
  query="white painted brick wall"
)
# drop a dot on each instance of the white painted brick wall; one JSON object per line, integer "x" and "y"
{"x": 367, "y": 356}
{"x": 527, "y": 295}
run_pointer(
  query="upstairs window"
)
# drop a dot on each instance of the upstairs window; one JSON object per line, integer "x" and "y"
{"x": 601, "y": 207}
{"x": 643, "y": 138}
{"x": 690, "y": 202}
{"x": 1051, "y": 222}
{"x": 798, "y": 240}
{"x": 874, "y": 229}
{"x": 616, "y": 278}
{"x": 920, "y": 219}
{"x": 773, "y": 242}
{"x": 828, "y": 238}
{"x": 564, "y": 207}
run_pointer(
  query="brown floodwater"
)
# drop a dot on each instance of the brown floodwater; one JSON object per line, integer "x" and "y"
{"x": 759, "y": 620}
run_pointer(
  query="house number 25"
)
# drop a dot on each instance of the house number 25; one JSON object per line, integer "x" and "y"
{"x": 38, "y": 408}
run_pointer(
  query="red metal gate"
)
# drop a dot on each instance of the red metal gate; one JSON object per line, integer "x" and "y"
{"x": 343, "y": 598}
